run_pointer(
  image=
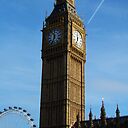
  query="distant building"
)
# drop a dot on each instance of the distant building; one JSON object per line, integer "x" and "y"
{"x": 103, "y": 122}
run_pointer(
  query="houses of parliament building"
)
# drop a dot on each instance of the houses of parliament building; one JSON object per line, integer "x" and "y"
{"x": 63, "y": 84}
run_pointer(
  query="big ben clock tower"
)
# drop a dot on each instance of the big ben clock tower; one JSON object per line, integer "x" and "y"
{"x": 63, "y": 59}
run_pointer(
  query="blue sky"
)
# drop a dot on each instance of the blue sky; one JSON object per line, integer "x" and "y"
{"x": 107, "y": 54}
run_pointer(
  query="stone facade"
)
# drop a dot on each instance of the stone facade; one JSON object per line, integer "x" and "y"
{"x": 63, "y": 57}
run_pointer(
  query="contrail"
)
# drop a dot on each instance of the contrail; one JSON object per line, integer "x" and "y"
{"x": 96, "y": 11}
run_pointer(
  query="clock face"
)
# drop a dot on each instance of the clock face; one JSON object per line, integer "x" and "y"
{"x": 54, "y": 36}
{"x": 77, "y": 38}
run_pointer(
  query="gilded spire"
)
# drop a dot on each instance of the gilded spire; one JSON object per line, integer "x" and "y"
{"x": 117, "y": 117}
{"x": 78, "y": 125}
{"x": 103, "y": 115}
{"x": 117, "y": 111}
{"x": 90, "y": 119}
{"x": 71, "y": 2}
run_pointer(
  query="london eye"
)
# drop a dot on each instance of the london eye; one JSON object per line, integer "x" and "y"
{"x": 16, "y": 117}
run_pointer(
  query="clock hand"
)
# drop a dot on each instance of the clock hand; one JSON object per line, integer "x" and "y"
{"x": 77, "y": 38}
{"x": 54, "y": 36}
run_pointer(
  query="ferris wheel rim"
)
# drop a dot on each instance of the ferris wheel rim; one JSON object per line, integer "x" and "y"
{"x": 19, "y": 110}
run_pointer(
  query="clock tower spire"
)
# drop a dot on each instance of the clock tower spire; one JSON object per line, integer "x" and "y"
{"x": 71, "y": 2}
{"x": 63, "y": 59}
